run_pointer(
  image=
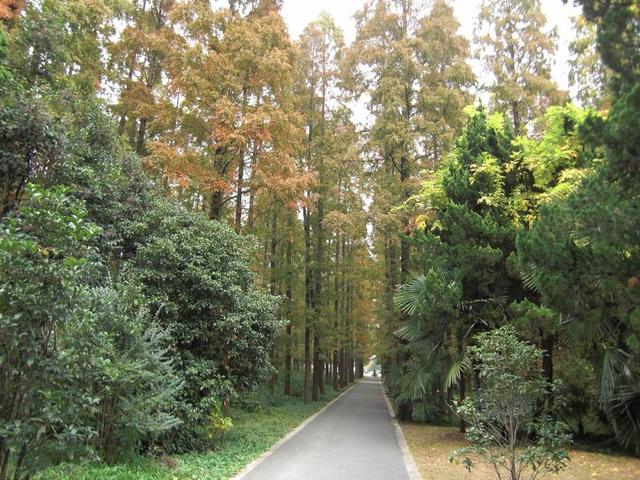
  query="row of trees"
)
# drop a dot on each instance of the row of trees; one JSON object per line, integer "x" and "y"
{"x": 533, "y": 225}
{"x": 237, "y": 121}
{"x": 119, "y": 311}
{"x": 414, "y": 70}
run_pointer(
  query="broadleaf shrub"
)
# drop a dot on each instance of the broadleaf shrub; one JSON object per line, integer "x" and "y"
{"x": 196, "y": 276}
{"x": 510, "y": 427}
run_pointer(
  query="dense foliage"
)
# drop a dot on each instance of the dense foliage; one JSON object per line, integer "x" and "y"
{"x": 97, "y": 358}
{"x": 535, "y": 231}
{"x": 195, "y": 275}
{"x": 189, "y": 210}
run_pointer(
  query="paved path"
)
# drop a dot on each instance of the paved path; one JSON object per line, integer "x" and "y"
{"x": 352, "y": 439}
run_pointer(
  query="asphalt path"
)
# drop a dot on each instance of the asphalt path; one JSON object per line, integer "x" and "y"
{"x": 354, "y": 438}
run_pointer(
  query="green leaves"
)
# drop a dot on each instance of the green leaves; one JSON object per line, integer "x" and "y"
{"x": 508, "y": 426}
{"x": 460, "y": 365}
{"x": 196, "y": 275}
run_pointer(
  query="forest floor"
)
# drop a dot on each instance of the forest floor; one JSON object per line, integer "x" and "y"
{"x": 255, "y": 430}
{"x": 430, "y": 446}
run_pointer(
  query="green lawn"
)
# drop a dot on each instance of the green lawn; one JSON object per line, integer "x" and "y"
{"x": 253, "y": 433}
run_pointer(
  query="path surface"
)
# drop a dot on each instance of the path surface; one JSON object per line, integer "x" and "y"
{"x": 352, "y": 439}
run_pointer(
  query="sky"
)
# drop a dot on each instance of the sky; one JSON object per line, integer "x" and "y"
{"x": 298, "y": 13}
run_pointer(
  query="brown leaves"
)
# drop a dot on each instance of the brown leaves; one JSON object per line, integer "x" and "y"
{"x": 10, "y": 9}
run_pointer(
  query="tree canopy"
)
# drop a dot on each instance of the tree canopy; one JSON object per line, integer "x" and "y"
{"x": 193, "y": 211}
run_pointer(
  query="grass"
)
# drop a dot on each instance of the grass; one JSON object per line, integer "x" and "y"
{"x": 253, "y": 433}
{"x": 431, "y": 445}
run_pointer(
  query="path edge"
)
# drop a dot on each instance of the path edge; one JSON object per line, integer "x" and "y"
{"x": 249, "y": 468}
{"x": 409, "y": 462}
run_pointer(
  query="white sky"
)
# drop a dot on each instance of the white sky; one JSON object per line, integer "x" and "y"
{"x": 298, "y": 13}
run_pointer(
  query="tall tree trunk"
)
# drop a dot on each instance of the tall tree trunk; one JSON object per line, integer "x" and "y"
{"x": 252, "y": 195}
{"x": 321, "y": 375}
{"x": 289, "y": 260}
{"x": 316, "y": 365}
{"x": 336, "y": 311}
{"x": 344, "y": 374}
{"x": 123, "y": 116}
{"x": 317, "y": 298}
{"x": 517, "y": 120}
{"x": 215, "y": 210}
{"x": 140, "y": 140}
{"x": 404, "y": 410}
{"x": 273, "y": 280}
{"x": 461, "y": 383}
{"x": 350, "y": 294}
{"x": 306, "y": 216}
{"x": 239, "y": 193}
{"x": 327, "y": 372}
{"x": 307, "y": 364}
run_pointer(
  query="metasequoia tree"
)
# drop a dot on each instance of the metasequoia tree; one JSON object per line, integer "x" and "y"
{"x": 137, "y": 61}
{"x": 321, "y": 48}
{"x": 516, "y": 47}
{"x": 587, "y": 74}
{"x": 444, "y": 81}
{"x": 225, "y": 110}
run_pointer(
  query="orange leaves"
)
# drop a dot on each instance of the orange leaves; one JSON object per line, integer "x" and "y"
{"x": 137, "y": 98}
{"x": 10, "y": 9}
{"x": 182, "y": 168}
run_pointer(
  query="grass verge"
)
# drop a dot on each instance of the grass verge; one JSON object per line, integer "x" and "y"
{"x": 253, "y": 433}
{"x": 430, "y": 446}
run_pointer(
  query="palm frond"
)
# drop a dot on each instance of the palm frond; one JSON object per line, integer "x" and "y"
{"x": 460, "y": 365}
{"x": 409, "y": 332}
{"x": 410, "y": 296}
{"x": 530, "y": 278}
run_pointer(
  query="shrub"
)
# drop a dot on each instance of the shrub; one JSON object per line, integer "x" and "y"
{"x": 79, "y": 365}
{"x": 509, "y": 427}
{"x": 114, "y": 356}
{"x": 196, "y": 275}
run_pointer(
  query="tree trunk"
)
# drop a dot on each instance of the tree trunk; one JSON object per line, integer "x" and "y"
{"x": 273, "y": 287}
{"x": 515, "y": 113}
{"x": 287, "y": 355}
{"x": 308, "y": 303}
{"x": 239, "y": 187}
{"x": 252, "y": 196}
{"x": 287, "y": 361}
{"x": 316, "y": 365}
{"x": 462, "y": 394}
{"x": 307, "y": 364}
{"x": 462, "y": 381}
{"x": 140, "y": 140}
{"x": 336, "y": 310}
{"x": 321, "y": 376}
{"x": 215, "y": 210}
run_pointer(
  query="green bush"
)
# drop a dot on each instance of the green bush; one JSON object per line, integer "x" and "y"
{"x": 43, "y": 264}
{"x": 196, "y": 276}
{"x": 79, "y": 365}
{"x": 117, "y": 357}
{"x": 509, "y": 425}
